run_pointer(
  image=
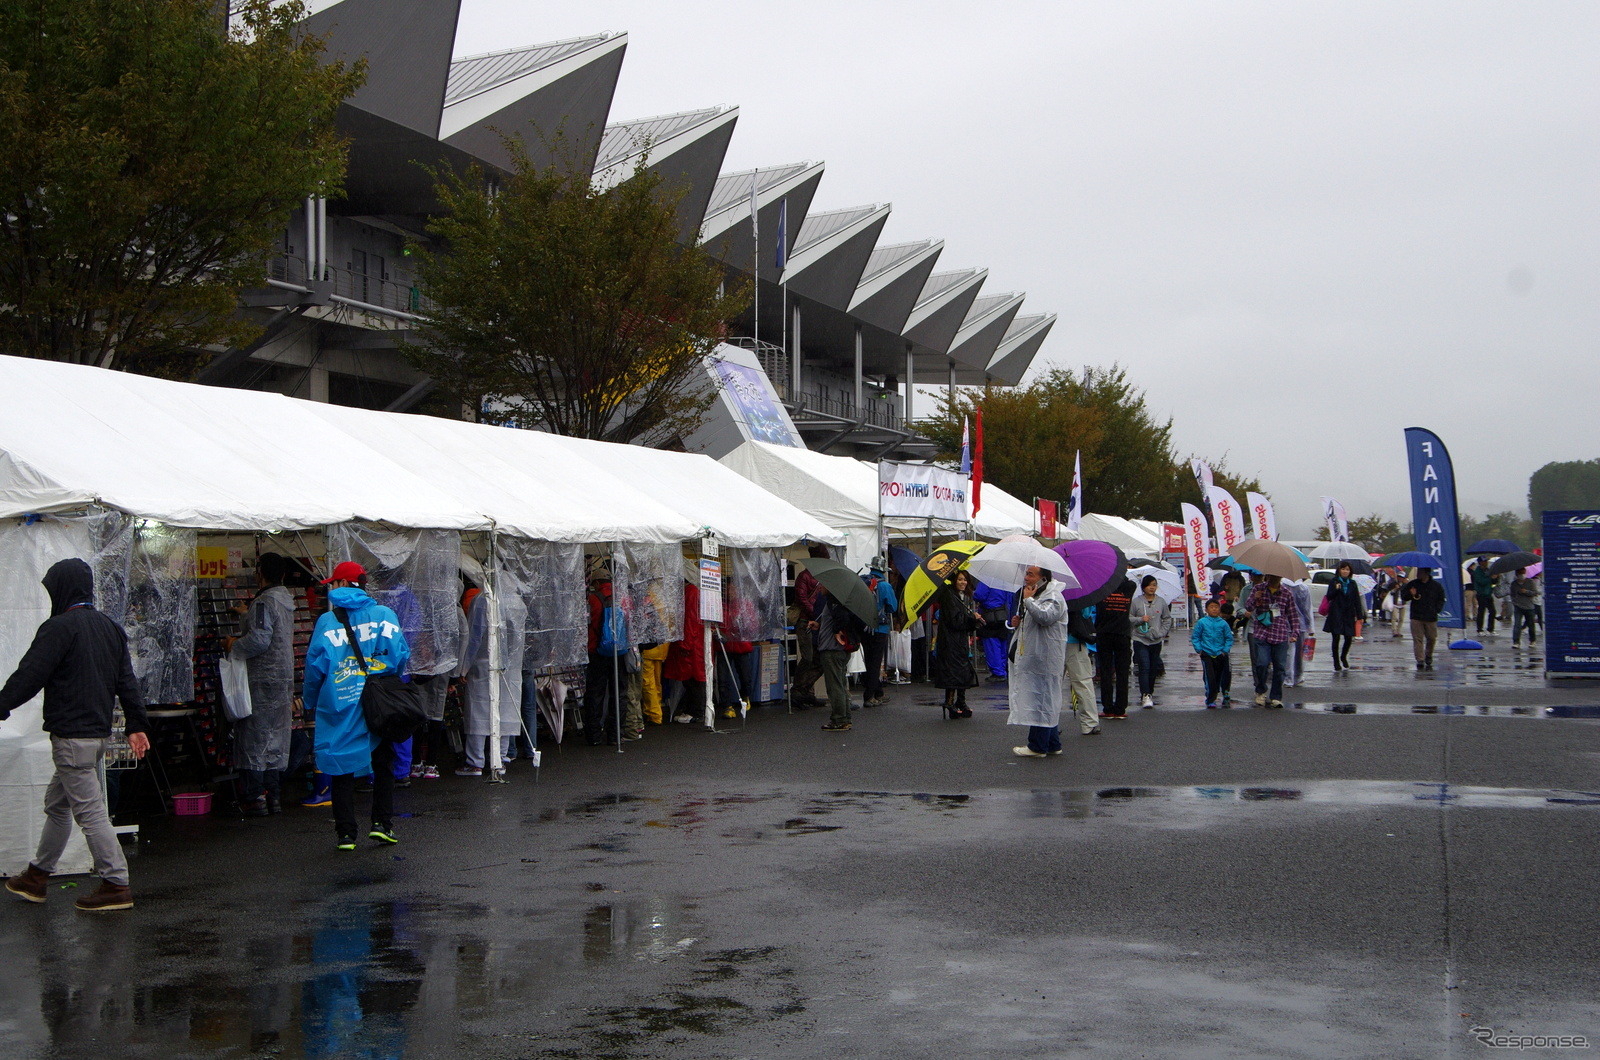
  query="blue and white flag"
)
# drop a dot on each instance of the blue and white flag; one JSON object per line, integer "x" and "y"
{"x": 1433, "y": 515}
{"x": 1075, "y": 505}
{"x": 783, "y": 233}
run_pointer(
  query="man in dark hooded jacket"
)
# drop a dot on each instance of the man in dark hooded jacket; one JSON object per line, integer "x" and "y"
{"x": 79, "y": 659}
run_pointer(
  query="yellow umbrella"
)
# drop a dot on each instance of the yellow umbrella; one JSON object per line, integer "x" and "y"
{"x": 932, "y": 573}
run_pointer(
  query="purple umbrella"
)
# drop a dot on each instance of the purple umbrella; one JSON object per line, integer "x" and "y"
{"x": 1098, "y": 566}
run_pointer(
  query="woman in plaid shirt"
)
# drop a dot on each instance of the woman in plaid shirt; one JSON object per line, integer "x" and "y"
{"x": 1274, "y": 627}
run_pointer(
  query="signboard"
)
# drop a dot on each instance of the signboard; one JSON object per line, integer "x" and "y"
{"x": 1047, "y": 518}
{"x": 210, "y": 561}
{"x": 711, "y": 590}
{"x": 1433, "y": 516}
{"x": 755, "y": 404}
{"x": 1171, "y": 538}
{"x": 921, "y": 491}
{"x": 1572, "y": 594}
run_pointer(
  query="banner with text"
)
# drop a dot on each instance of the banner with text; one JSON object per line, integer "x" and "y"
{"x": 1048, "y": 510}
{"x": 1572, "y": 594}
{"x": 1334, "y": 518}
{"x": 1433, "y": 515}
{"x": 1226, "y": 516}
{"x": 1262, "y": 517}
{"x": 1197, "y": 548}
{"x": 921, "y": 491}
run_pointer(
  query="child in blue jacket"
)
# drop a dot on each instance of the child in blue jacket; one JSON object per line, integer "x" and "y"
{"x": 1212, "y": 640}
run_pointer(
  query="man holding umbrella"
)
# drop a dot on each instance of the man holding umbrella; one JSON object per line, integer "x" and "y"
{"x": 842, "y": 613}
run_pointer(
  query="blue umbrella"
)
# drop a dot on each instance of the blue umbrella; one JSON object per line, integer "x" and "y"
{"x": 1494, "y": 546}
{"x": 1410, "y": 559}
{"x": 903, "y": 560}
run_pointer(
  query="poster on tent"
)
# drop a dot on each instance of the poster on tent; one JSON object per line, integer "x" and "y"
{"x": 1172, "y": 550}
{"x": 1572, "y": 594}
{"x": 921, "y": 491}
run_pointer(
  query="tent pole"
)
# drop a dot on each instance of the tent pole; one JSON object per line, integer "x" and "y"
{"x": 496, "y": 773}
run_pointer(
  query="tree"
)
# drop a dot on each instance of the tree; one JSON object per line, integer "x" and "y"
{"x": 148, "y": 161}
{"x": 1572, "y": 485}
{"x": 1507, "y": 525}
{"x": 568, "y": 307}
{"x": 1031, "y": 433}
{"x": 1371, "y": 531}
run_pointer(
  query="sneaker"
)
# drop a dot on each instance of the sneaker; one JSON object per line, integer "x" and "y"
{"x": 1055, "y": 752}
{"x": 633, "y": 734}
{"x": 1276, "y": 704}
{"x": 417, "y": 771}
{"x": 383, "y": 833}
{"x": 430, "y": 772}
{"x": 683, "y": 718}
{"x": 1261, "y": 699}
{"x": 836, "y": 726}
{"x": 1211, "y": 704}
{"x": 31, "y": 885}
{"x": 109, "y": 896}
{"x": 469, "y": 771}
{"x": 346, "y": 842}
{"x": 1093, "y": 732}
{"x": 1147, "y": 702}
{"x": 1026, "y": 752}
{"x": 1227, "y": 697}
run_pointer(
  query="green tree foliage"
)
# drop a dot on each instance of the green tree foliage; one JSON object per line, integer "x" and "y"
{"x": 1372, "y": 531}
{"x": 1509, "y": 525}
{"x": 568, "y": 307}
{"x": 1572, "y": 485}
{"x": 148, "y": 161}
{"x": 1032, "y": 432}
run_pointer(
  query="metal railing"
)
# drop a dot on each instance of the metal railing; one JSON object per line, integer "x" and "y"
{"x": 876, "y": 411}
{"x": 398, "y": 293}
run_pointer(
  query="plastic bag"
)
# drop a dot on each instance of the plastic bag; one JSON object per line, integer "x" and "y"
{"x": 235, "y": 674}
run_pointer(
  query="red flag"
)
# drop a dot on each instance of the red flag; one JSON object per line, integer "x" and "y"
{"x": 1048, "y": 510}
{"x": 977, "y": 459}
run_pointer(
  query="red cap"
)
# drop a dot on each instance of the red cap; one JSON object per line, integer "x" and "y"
{"x": 347, "y": 572}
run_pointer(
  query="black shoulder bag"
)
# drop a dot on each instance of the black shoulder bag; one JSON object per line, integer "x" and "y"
{"x": 392, "y": 707}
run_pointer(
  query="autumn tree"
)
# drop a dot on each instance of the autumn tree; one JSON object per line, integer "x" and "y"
{"x": 1032, "y": 432}
{"x": 567, "y": 306}
{"x": 149, "y": 158}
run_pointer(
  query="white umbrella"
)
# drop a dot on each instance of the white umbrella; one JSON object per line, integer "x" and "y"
{"x": 1169, "y": 584}
{"x": 1002, "y": 565}
{"x": 1339, "y": 550}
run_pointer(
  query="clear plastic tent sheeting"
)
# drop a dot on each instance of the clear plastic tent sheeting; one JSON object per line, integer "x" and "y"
{"x": 647, "y": 581}
{"x": 548, "y": 576}
{"x": 144, "y": 578}
{"x": 415, "y": 573}
{"x": 752, "y": 589}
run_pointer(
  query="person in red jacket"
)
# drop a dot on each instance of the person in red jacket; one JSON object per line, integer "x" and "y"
{"x": 686, "y": 661}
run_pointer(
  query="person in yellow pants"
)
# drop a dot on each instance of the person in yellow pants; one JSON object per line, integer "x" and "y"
{"x": 653, "y": 659}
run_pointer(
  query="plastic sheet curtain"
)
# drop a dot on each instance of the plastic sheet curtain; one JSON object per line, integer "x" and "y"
{"x": 752, "y": 589}
{"x": 549, "y": 579}
{"x": 145, "y": 579}
{"x": 416, "y": 574}
{"x": 648, "y": 581}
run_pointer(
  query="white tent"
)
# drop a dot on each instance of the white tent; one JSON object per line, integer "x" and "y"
{"x": 1124, "y": 533}
{"x": 842, "y": 492}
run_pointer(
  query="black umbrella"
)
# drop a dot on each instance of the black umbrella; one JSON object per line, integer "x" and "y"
{"x": 1516, "y": 560}
{"x": 1494, "y": 546}
{"x": 1357, "y": 566}
{"x": 845, "y": 586}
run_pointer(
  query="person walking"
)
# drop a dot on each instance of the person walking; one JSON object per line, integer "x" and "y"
{"x": 79, "y": 659}
{"x": 1525, "y": 600}
{"x": 1399, "y": 602}
{"x": 1151, "y": 620}
{"x": 1038, "y": 660}
{"x": 837, "y": 631}
{"x": 261, "y": 741}
{"x": 1483, "y": 587}
{"x": 1425, "y": 598}
{"x": 1274, "y": 626}
{"x": 875, "y": 645}
{"x": 807, "y": 668}
{"x": 1080, "y": 670}
{"x": 996, "y": 630}
{"x": 1212, "y": 639}
{"x": 1297, "y": 651}
{"x": 956, "y": 618}
{"x": 1113, "y": 634}
{"x": 334, "y": 680}
{"x": 1343, "y": 607}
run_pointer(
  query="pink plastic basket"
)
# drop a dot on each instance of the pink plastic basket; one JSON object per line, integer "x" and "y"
{"x": 192, "y": 804}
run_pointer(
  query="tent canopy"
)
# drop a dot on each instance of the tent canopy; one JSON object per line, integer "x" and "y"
{"x": 1130, "y": 535}
{"x": 244, "y": 460}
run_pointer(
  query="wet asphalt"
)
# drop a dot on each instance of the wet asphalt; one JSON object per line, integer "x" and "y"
{"x": 1398, "y": 864}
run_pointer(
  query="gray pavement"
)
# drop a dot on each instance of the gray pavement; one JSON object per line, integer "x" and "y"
{"x": 1394, "y": 860}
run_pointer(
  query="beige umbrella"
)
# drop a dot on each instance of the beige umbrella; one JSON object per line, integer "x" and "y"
{"x": 1270, "y": 557}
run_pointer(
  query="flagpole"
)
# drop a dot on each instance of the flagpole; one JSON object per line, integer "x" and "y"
{"x": 755, "y": 252}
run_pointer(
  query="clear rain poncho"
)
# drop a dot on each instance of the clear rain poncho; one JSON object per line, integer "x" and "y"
{"x": 1038, "y": 659}
{"x": 261, "y": 741}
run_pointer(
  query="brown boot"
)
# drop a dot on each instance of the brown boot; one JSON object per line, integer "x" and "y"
{"x": 31, "y": 886}
{"x": 109, "y": 896}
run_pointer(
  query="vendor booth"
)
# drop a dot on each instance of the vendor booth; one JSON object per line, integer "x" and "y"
{"x": 170, "y": 490}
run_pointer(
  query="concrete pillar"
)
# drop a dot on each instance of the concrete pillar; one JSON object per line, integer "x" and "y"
{"x": 911, "y": 383}
{"x": 859, "y": 396}
{"x": 795, "y": 354}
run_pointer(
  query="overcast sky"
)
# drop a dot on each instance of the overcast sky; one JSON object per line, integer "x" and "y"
{"x": 1301, "y": 226}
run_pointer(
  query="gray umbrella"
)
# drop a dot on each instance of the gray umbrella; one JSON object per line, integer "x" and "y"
{"x": 845, "y": 586}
